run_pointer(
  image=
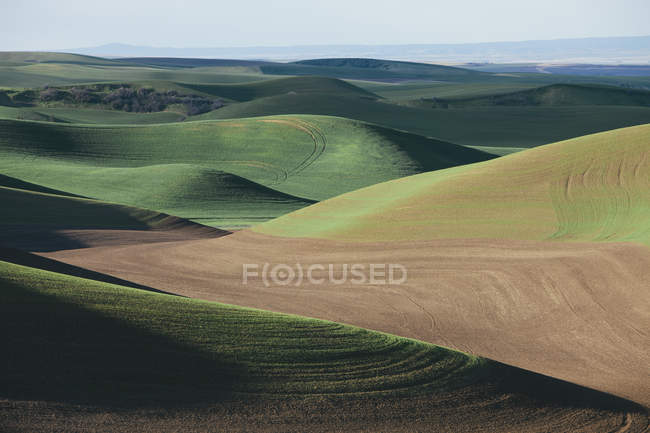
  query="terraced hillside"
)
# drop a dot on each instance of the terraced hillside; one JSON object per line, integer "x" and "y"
{"x": 223, "y": 173}
{"x": 592, "y": 188}
{"x": 234, "y": 367}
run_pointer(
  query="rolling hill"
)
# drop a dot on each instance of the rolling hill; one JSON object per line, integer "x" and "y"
{"x": 237, "y": 368}
{"x": 372, "y": 69}
{"x": 553, "y": 95}
{"x": 54, "y": 73}
{"x": 24, "y": 58}
{"x": 490, "y": 126}
{"x": 41, "y": 219}
{"x": 88, "y": 116}
{"x": 293, "y": 85}
{"x": 592, "y": 188}
{"x": 180, "y": 62}
{"x": 224, "y": 173}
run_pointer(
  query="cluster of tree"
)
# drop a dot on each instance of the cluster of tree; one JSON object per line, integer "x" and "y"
{"x": 127, "y": 98}
{"x": 147, "y": 100}
{"x": 75, "y": 94}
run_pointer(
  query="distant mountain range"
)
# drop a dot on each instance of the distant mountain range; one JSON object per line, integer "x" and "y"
{"x": 616, "y": 50}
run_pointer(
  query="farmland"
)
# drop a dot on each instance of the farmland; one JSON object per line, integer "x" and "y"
{"x": 136, "y": 190}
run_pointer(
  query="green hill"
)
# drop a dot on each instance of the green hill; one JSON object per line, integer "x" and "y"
{"x": 18, "y": 58}
{"x": 371, "y": 69}
{"x": 592, "y": 188}
{"x": 48, "y": 209}
{"x": 39, "y": 74}
{"x": 180, "y": 62}
{"x": 293, "y": 85}
{"x": 36, "y": 218}
{"x": 553, "y": 95}
{"x": 474, "y": 126}
{"x": 88, "y": 115}
{"x": 233, "y": 172}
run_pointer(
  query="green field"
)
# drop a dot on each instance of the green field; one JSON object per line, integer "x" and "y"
{"x": 592, "y": 188}
{"x": 504, "y": 110}
{"x": 490, "y": 126}
{"x": 295, "y": 85}
{"x": 223, "y": 173}
{"x": 552, "y": 95}
{"x": 88, "y": 116}
{"x": 38, "y": 206}
{"x": 401, "y": 92}
{"x": 124, "y": 168}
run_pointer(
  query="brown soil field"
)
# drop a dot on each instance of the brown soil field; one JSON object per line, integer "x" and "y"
{"x": 578, "y": 312}
{"x": 465, "y": 411}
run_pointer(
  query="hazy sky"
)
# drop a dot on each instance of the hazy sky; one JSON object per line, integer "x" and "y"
{"x": 59, "y": 24}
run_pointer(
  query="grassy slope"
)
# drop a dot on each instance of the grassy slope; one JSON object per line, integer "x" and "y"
{"x": 88, "y": 115}
{"x": 554, "y": 95}
{"x": 490, "y": 126}
{"x": 29, "y": 57}
{"x": 81, "y": 340}
{"x": 230, "y": 93}
{"x": 41, "y": 74}
{"x": 261, "y": 89}
{"x": 371, "y": 69}
{"x": 590, "y": 188}
{"x": 189, "y": 62}
{"x": 417, "y": 90}
{"x": 285, "y": 162}
{"x": 44, "y": 208}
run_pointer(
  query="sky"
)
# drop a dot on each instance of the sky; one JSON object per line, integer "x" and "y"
{"x": 60, "y": 24}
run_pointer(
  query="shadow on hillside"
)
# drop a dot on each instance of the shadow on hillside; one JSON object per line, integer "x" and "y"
{"x": 23, "y": 258}
{"x": 56, "y": 351}
{"x": 537, "y": 390}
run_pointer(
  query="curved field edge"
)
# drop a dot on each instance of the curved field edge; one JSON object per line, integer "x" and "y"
{"x": 86, "y": 333}
{"x": 592, "y": 188}
{"x": 38, "y": 219}
{"x": 226, "y": 173}
{"x": 96, "y": 348}
{"x": 25, "y": 207}
{"x": 81, "y": 345}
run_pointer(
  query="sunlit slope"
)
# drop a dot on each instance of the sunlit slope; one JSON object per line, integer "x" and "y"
{"x": 36, "y": 74}
{"x": 203, "y": 195}
{"x": 31, "y": 57}
{"x": 594, "y": 188}
{"x": 514, "y": 126}
{"x": 215, "y": 170}
{"x": 88, "y": 115}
